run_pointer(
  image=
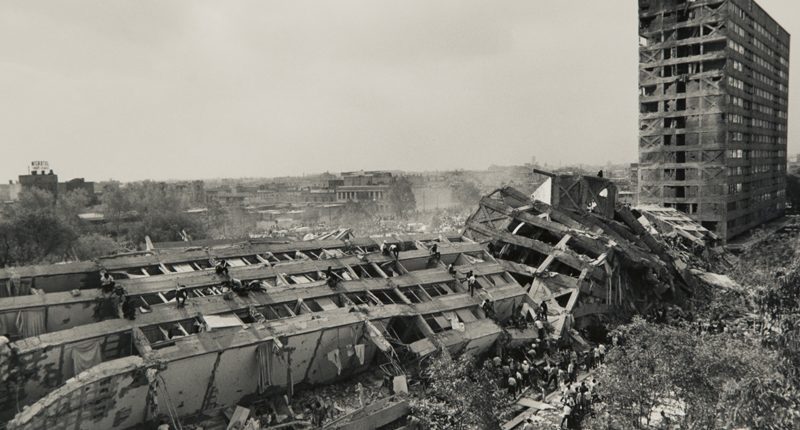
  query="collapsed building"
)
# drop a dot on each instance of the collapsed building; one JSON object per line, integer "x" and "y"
{"x": 73, "y": 362}
{"x": 573, "y": 247}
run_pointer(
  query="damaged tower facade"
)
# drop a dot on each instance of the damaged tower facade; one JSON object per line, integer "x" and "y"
{"x": 713, "y": 93}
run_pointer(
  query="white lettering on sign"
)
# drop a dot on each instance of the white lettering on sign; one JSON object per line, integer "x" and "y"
{"x": 42, "y": 166}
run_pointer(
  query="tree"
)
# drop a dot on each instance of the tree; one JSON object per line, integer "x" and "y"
{"x": 94, "y": 245}
{"x": 70, "y": 205}
{"x": 400, "y": 197}
{"x": 458, "y": 395}
{"x": 160, "y": 210}
{"x": 32, "y": 231}
{"x": 116, "y": 203}
{"x": 33, "y": 201}
{"x": 167, "y": 227}
{"x": 718, "y": 381}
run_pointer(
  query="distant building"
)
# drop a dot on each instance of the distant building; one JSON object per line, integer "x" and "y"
{"x": 318, "y": 195}
{"x": 76, "y": 184}
{"x": 9, "y": 191}
{"x": 41, "y": 176}
{"x": 372, "y": 186}
{"x": 191, "y": 191}
{"x": 713, "y": 93}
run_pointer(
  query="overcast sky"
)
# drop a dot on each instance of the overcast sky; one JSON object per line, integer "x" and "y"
{"x": 201, "y": 89}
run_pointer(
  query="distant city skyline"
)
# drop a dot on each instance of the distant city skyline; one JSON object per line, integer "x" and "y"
{"x": 203, "y": 90}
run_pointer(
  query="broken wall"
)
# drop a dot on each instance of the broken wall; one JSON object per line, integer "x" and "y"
{"x": 110, "y": 396}
{"x": 217, "y": 379}
{"x": 42, "y": 367}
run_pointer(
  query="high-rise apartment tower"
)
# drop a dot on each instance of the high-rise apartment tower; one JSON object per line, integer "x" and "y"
{"x": 713, "y": 98}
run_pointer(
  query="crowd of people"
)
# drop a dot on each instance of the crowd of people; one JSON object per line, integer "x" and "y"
{"x": 546, "y": 365}
{"x": 545, "y": 368}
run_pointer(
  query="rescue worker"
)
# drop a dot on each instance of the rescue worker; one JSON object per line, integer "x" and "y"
{"x": 181, "y": 295}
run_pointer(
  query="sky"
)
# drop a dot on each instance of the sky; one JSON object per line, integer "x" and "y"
{"x": 195, "y": 89}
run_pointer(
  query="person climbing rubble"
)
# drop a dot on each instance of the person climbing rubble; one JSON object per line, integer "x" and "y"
{"x": 331, "y": 279}
{"x": 512, "y": 386}
{"x": 237, "y": 287}
{"x": 128, "y": 308}
{"x": 471, "y": 283}
{"x": 566, "y": 413}
{"x": 540, "y": 329}
{"x": 255, "y": 286}
{"x": 181, "y": 296}
{"x": 106, "y": 282}
{"x": 221, "y": 267}
{"x": 451, "y": 269}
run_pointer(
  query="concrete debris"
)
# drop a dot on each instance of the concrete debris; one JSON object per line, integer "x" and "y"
{"x": 213, "y": 328}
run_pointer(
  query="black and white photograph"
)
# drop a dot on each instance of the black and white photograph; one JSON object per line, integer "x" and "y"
{"x": 399, "y": 215}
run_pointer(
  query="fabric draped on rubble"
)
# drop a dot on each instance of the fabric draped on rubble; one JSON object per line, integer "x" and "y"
{"x": 8, "y": 323}
{"x": 15, "y": 286}
{"x": 264, "y": 357}
{"x": 335, "y": 358}
{"x": 360, "y": 351}
{"x": 27, "y": 323}
{"x": 85, "y": 355}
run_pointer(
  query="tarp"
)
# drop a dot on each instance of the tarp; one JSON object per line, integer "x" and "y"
{"x": 86, "y": 355}
{"x": 31, "y": 322}
{"x": 8, "y": 323}
{"x": 263, "y": 356}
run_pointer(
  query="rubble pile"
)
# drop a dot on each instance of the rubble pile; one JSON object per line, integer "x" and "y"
{"x": 335, "y": 329}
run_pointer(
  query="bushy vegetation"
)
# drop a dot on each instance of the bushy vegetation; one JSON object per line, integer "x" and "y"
{"x": 722, "y": 380}
{"x": 742, "y": 376}
{"x": 458, "y": 395}
{"x": 40, "y": 228}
